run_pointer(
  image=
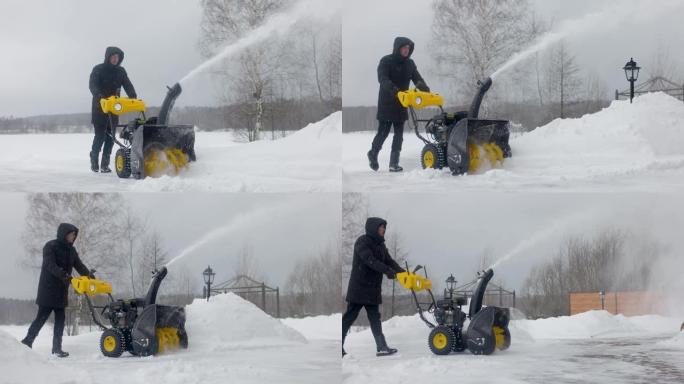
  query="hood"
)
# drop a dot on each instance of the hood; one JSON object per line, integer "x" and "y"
{"x": 64, "y": 229}
{"x": 400, "y": 42}
{"x": 112, "y": 50}
{"x": 372, "y": 225}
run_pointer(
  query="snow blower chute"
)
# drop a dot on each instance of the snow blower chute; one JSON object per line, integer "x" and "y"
{"x": 149, "y": 147}
{"x": 488, "y": 327}
{"x": 460, "y": 140}
{"x": 139, "y": 326}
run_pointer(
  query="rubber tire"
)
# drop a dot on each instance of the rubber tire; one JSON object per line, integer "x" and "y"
{"x": 124, "y": 173}
{"x": 449, "y": 333}
{"x": 120, "y": 346}
{"x": 430, "y": 148}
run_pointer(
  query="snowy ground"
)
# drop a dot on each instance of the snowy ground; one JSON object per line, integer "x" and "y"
{"x": 306, "y": 161}
{"x": 593, "y": 347}
{"x": 638, "y": 147}
{"x": 231, "y": 341}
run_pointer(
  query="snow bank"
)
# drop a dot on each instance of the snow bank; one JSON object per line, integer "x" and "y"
{"x": 19, "y": 364}
{"x": 594, "y": 324}
{"x": 649, "y": 127}
{"x": 317, "y": 327}
{"x": 228, "y": 322}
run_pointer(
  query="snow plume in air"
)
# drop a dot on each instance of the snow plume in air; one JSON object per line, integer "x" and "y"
{"x": 278, "y": 23}
{"x": 606, "y": 19}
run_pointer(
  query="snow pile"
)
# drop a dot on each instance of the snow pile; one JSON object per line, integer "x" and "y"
{"x": 317, "y": 327}
{"x": 677, "y": 341}
{"x": 228, "y": 322}
{"x": 307, "y": 160}
{"x": 652, "y": 126}
{"x": 19, "y": 364}
{"x": 593, "y": 324}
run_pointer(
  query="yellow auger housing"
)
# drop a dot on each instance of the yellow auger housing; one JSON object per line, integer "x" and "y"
{"x": 120, "y": 105}
{"x": 91, "y": 287}
{"x": 419, "y": 99}
{"x": 410, "y": 280}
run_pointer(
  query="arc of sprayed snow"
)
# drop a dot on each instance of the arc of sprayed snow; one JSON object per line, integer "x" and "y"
{"x": 257, "y": 216}
{"x": 281, "y": 22}
{"x": 609, "y": 17}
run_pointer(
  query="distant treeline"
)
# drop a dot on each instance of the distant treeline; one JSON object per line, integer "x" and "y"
{"x": 282, "y": 115}
{"x": 527, "y": 116}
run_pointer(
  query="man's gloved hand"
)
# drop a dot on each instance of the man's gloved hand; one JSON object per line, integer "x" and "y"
{"x": 395, "y": 90}
{"x": 422, "y": 86}
{"x": 92, "y": 274}
{"x": 391, "y": 275}
{"x": 67, "y": 279}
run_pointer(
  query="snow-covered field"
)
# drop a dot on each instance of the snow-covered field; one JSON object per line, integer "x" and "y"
{"x": 638, "y": 147}
{"x": 305, "y": 161}
{"x": 592, "y": 347}
{"x": 231, "y": 341}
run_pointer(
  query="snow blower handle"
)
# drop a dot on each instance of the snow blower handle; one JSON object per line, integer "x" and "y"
{"x": 85, "y": 285}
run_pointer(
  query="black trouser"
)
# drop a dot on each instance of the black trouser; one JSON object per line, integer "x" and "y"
{"x": 41, "y": 317}
{"x": 373, "y": 312}
{"x": 102, "y": 136}
{"x": 384, "y": 128}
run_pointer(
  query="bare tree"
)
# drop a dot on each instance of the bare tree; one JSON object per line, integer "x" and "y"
{"x": 562, "y": 78}
{"x": 247, "y": 264}
{"x": 224, "y": 21}
{"x": 354, "y": 215}
{"x": 151, "y": 257}
{"x": 472, "y": 38}
{"x": 133, "y": 229}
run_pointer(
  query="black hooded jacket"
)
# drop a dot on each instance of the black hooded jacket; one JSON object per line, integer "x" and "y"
{"x": 59, "y": 258}
{"x": 371, "y": 261}
{"x": 106, "y": 80}
{"x": 395, "y": 73}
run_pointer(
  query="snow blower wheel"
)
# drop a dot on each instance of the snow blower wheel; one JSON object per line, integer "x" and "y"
{"x": 122, "y": 162}
{"x": 463, "y": 141}
{"x": 432, "y": 157}
{"x": 112, "y": 343}
{"x": 441, "y": 340}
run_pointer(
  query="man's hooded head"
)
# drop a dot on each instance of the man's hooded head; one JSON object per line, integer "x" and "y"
{"x": 401, "y": 42}
{"x": 64, "y": 229}
{"x": 111, "y": 51}
{"x": 372, "y": 225}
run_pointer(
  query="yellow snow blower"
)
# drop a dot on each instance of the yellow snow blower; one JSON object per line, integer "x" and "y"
{"x": 139, "y": 326}
{"x": 460, "y": 140}
{"x": 488, "y": 327}
{"x": 149, "y": 147}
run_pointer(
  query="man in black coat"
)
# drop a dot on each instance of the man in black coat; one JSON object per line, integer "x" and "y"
{"x": 106, "y": 80}
{"x": 59, "y": 258}
{"x": 395, "y": 72}
{"x": 371, "y": 261}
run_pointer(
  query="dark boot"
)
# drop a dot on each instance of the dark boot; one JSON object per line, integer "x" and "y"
{"x": 382, "y": 348}
{"x": 27, "y": 342}
{"x": 394, "y": 162}
{"x": 343, "y": 352}
{"x": 60, "y": 353}
{"x": 104, "y": 166}
{"x": 373, "y": 160}
{"x": 93, "y": 162}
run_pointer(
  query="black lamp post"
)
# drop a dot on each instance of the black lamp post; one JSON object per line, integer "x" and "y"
{"x": 208, "y": 279}
{"x": 632, "y": 74}
{"x": 451, "y": 285}
{"x": 602, "y": 295}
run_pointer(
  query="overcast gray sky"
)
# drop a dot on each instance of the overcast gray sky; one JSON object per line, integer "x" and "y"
{"x": 49, "y": 48}
{"x": 449, "y": 233}
{"x": 285, "y": 228}
{"x": 369, "y": 28}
